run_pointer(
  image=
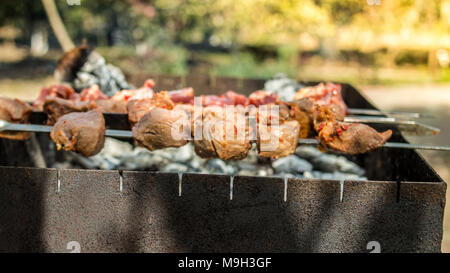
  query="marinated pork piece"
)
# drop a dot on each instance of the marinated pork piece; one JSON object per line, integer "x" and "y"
{"x": 62, "y": 91}
{"x": 278, "y": 141}
{"x": 83, "y": 133}
{"x": 56, "y": 108}
{"x": 138, "y": 108}
{"x": 225, "y": 135}
{"x": 14, "y": 111}
{"x": 351, "y": 138}
{"x": 328, "y": 94}
{"x": 161, "y": 128}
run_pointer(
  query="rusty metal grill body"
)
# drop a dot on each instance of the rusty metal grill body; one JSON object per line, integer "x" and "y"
{"x": 401, "y": 206}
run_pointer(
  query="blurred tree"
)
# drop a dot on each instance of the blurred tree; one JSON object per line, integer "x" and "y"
{"x": 57, "y": 25}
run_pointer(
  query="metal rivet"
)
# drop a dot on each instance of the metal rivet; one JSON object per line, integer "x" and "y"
{"x": 231, "y": 187}
{"x": 58, "y": 179}
{"x": 120, "y": 181}
{"x": 285, "y": 188}
{"x": 341, "y": 195}
{"x": 180, "y": 183}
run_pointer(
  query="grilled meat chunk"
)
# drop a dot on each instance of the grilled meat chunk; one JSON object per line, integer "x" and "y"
{"x": 56, "y": 107}
{"x": 83, "y": 133}
{"x": 161, "y": 128}
{"x": 14, "y": 111}
{"x": 102, "y": 101}
{"x": 328, "y": 94}
{"x": 225, "y": 134}
{"x": 185, "y": 95}
{"x": 229, "y": 98}
{"x": 351, "y": 138}
{"x": 92, "y": 93}
{"x": 112, "y": 106}
{"x": 302, "y": 110}
{"x": 262, "y": 97}
{"x": 278, "y": 141}
{"x": 137, "y": 108}
{"x": 62, "y": 91}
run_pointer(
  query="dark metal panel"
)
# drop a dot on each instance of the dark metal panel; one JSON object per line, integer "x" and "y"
{"x": 85, "y": 210}
{"x": 23, "y": 199}
{"x": 313, "y": 214}
{"x": 148, "y": 215}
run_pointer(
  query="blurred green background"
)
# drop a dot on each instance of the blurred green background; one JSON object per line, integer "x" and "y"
{"x": 396, "y": 52}
{"x": 356, "y": 41}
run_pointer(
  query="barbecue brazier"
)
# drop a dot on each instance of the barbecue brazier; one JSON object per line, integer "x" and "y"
{"x": 400, "y": 207}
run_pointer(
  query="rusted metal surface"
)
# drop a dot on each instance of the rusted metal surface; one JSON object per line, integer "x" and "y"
{"x": 401, "y": 206}
{"x": 148, "y": 215}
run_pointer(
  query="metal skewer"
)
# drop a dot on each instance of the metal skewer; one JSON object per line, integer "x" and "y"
{"x": 5, "y": 126}
{"x": 407, "y": 127}
{"x": 373, "y": 112}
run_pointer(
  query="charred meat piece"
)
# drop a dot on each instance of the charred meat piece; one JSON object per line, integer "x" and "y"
{"x": 351, "y": 138}
{"x": 328, "y": 94}
{"x": 71, "y": 62}
{"x": 278, "y": 141}
{"x": 161, "y": 128}
{"x": 14, "y": 111}
{"x": 225, "y": 134}
{"x": 137, "y": 108}
{"x": 62, "y": 91}
{"x": 56, "y": 108}
{"x": 83, "y": 133}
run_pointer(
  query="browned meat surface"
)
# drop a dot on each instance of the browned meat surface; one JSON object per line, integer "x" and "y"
{"x": 62, "y": 91}
{"x": 351, "y": 138}
{"x": 83, "y": 133}
{"x": 56, "y": 107}
{"x": 224, "y": 135}
{"x": 278, "y": 141}
{"x": 112, "y": 106}
{"x": 14, "y": 111}
{"x": 161, "y": 128}
{"x": 328, "y": 94}
{"x": 262, "y": 97}
{"x": 137, "y": 108}
{"x": 92, "y": 93}
{"x": 301, "y": 110}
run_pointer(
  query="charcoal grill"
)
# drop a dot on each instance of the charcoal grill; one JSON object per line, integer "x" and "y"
{"x": 400, "y": 207}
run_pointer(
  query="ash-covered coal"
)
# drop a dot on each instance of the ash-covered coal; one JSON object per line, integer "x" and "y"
{"x": 284, "y": 86}
{"x": 307, "y": 162}
{"x": 95, "y": 70}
